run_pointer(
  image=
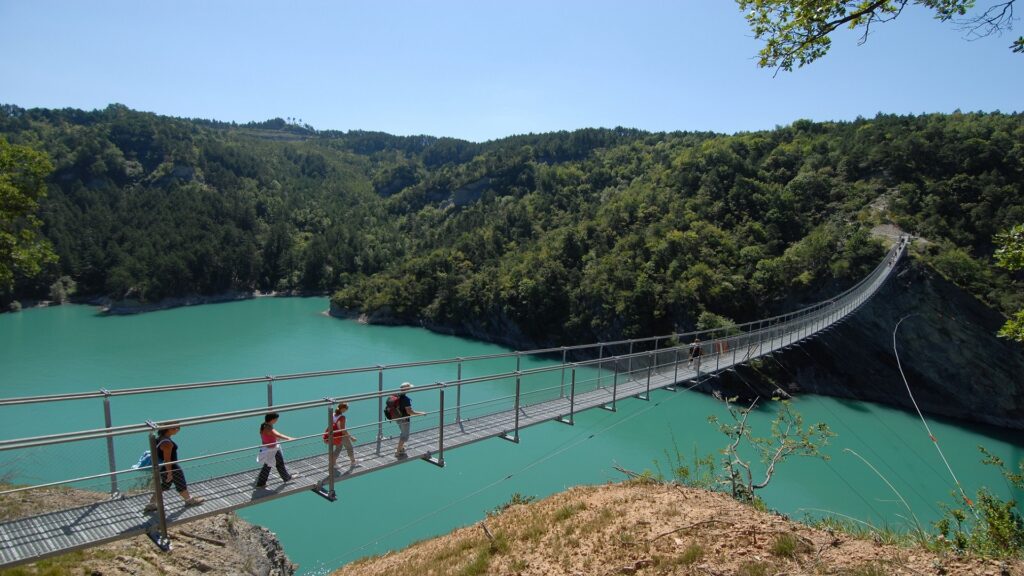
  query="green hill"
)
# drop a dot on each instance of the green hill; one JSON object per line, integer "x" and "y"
{"x": 549, "y": 239}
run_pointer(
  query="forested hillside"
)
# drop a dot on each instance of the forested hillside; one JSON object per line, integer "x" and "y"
{"x": 547, "y": 239}
{"x": 149, "y": 207}
{"x": 538, "y": 243}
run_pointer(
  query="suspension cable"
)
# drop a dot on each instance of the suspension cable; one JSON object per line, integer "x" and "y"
{"x": 853, "y": 430}
{"x": 934, "y": 440}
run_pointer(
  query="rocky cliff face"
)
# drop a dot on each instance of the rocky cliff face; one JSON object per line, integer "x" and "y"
{"x": 954, "y": 363}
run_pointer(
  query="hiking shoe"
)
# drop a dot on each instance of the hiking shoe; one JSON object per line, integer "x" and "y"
{"x": 151, "y": 507}
{"x": 287, "y": 478}
{"x": 195, "y": 501}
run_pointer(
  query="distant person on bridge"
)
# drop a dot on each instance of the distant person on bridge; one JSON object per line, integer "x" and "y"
{"x": 695, "y": 352}
{"x": 270, "y": 451}
{"x": 339, "y": 437}
{"x": 170, "y": 472}
{"x": 405, "y": 411}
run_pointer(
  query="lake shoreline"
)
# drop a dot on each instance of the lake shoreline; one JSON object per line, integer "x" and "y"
{"x": 110, "y": 307}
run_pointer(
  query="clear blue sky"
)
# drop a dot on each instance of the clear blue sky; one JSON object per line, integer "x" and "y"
{"x": 480, "y": 69}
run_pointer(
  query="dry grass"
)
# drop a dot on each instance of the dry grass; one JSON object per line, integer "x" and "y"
{"x": 655, "y": 529}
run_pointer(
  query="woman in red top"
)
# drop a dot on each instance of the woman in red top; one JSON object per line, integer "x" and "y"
{"x": 270, "y": 449}
{"x": 340, "y": 438}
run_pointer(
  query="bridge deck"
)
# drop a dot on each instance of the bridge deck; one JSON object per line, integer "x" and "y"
{"x": 61, "y": 531}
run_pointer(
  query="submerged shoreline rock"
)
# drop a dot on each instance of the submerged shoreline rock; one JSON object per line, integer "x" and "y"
{"x": 131, "y": 306}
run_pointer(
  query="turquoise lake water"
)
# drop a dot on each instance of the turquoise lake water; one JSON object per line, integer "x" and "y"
{"x": 73, "y": 349}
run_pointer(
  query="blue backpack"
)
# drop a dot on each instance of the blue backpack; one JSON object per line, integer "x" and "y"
{"x": 146, "y": 459}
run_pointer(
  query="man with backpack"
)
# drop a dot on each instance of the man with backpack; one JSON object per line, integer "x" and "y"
{"x": 399, "y": 409}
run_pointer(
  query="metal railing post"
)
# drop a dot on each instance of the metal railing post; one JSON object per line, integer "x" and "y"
{"x": 629, "y": 364}
{"x": 458, "y": 394}
{"x": 440, "y": 433}
{"x": 656, "y": 355}
{"x": 718, "y": 352}
{"x": 332, "y": 458}
{"x": 380, "y": 407}
{"x": 114, "y": 492}
{"x": 696, "y": 362}
{"x": 561, "y": 389}
{"x": 675, "y": 372}
{"x": 515, "y": 436}
{"x": 163, "y": 542}
{"x": 518, "y": 401}
{"x": 600, "y": 364}
{"x": 615, "y": 385}
{"x": 760, "y": 337}
{"x": 270, "y": 391}
{"x": 439, "y": 459}
{"x": 572, "y": 399}
{"x": 647, "y": 394}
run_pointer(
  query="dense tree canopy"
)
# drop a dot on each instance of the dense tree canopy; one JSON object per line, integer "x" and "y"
{"x": 23, "y": 173}
{"x": 646, "y": 235}
{"x": 547, "y": 238}
{"x": 797, "y": 31}
{"x": 1010, "y": 255}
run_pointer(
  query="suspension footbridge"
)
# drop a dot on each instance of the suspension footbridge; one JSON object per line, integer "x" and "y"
{"x": 494, "y": 396}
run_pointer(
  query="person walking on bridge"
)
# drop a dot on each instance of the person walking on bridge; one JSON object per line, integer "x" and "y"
{"x": 696, "y": 350}
{"x": 339, "y": 437}
{"x": 405, "y": 411}
{"x": 270, "y": 451}
{"x": 170, "y": 472}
